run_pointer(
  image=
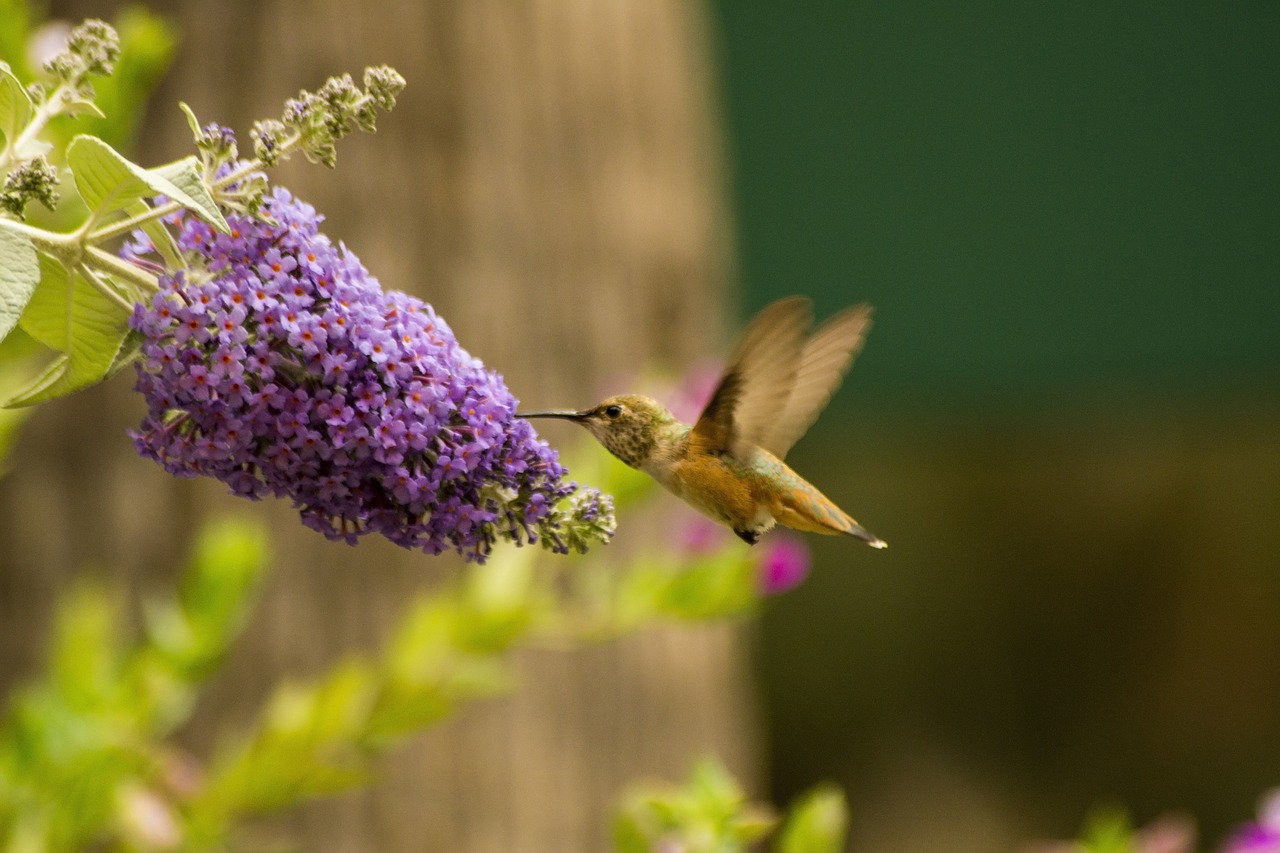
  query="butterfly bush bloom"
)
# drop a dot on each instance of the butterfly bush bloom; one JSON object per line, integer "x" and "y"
{"x": 279, "y": 366}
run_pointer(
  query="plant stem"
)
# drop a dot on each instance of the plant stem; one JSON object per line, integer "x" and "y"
{"x": 91, "y": 276}
{"x": 106, "y": 262}
{"x": 51, "y": 107}
{"x": 60, "y": 246}
{"x": 127, "y": 226}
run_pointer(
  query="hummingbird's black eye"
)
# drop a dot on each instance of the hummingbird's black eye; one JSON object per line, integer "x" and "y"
{"x": 613, "y": 411}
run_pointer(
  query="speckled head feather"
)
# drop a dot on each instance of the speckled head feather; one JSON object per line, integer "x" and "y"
{"x": 628, "y": 425}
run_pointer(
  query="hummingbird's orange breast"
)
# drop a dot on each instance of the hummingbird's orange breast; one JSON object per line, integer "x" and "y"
{"x": 712, "y": 485}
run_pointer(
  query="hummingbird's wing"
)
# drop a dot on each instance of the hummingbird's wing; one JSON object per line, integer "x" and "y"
{"x": 825, "y": 359}
{"x": 757, "y": 384}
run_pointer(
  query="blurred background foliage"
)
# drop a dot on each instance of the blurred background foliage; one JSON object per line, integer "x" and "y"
{"x": 1065, "y": 420}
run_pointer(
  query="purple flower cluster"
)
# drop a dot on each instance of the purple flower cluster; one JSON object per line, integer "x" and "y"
{"x": 279, "y": 366}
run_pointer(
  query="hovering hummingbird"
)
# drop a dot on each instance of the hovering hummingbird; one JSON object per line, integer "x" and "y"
{"x": 729, "y": 464}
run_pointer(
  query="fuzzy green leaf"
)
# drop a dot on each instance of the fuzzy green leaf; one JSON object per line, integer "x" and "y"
{"x": 185, "y": 174}
{"x": 192, "y": 121}
{"x": 39, "y": 389}
{"x": 15, "y": 106}
{"x": 19, "y": 275}
{"x": 83, "y": 106}
{"x": 70, "y": 315}
{"x": 161, "y": 237}
{"x": 108, "y": 182}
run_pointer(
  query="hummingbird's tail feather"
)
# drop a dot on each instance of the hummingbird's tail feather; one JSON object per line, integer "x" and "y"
{"x": 803, "y": 507}
{"x": 857, "y": 531}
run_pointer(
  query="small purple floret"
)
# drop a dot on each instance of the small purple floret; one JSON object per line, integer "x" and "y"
{"x": 280, "y": 367}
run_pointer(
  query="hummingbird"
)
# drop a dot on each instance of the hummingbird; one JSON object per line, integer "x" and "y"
{"x": 729, "y": 464}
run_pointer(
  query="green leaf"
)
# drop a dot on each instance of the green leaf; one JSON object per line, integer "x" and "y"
{"x": 19, "y": 275}
{"x": 720, "y": 584}
{"x": 15, "y": 30}
{"x": 82, "y": 106}
{"x": 185, "y": 174}
{"x": 128, "y": 352}
{"x": 192, "y": 121}
{"x": 343, "y": 703}
{"x": 42, "y": 388}
{"x": 15, "y": 106}
{"x": 817, "y": 823}
{"x": 230, "y": 558}
{"x": 1108, "y": 830}
{"x": 498, "y": 602}
{"x": 61, "y": 379}
{"x": 70, "y": 315}
{"x": 161, "y": 237}
{"x": 108, "y": 182}
{"x": 86, "y": 644}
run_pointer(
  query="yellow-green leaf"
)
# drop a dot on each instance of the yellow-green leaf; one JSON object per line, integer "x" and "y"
{"x": 19, "y": 274}
{"x": 108, "y": 182}
{"x": 161, "y": 237}
{"x": 68, "y": 314}
{"x": 15, "y": 106}
{"x": 185, "y": 174}
{"x": 817, "y": 823}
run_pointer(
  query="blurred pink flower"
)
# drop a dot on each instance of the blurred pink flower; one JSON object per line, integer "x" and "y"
{"x": 699, "y": 536}
{"x": 1169, "y": 834}
{"x": 784, "y": 565}
{"x": 1262, "y": 836}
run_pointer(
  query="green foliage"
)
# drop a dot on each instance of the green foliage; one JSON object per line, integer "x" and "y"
{"x": 1108, "y": 831}
{"x": 146, "y": 47}
{"x": 83, "y": 746}
{"x": 76, "y": 298}
{"x": 709, "y": 813}
{"x": 108, "y": 183}
{"x": 817, "y": 823}
{"x": 14, "y": 352}
{"x": 318, "y": 738}
{"x": 84, "y": 752}
{"x": 19, "y": 274}
{"x": 660, "y": 581}
{"x": 450, "y": 647}
{"x": 57, "y": 281}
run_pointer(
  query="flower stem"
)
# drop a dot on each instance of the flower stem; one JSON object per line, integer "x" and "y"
{"x": 51, "y": 107}
{"x": 105, "y": 288}
{"x": 126, "y": 226}
{"x": 109, "y": 263}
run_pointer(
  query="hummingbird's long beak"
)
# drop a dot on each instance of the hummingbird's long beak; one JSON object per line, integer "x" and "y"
{"x": 563, "y": 414}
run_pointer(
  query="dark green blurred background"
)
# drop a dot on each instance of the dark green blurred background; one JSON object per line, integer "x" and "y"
{"x": 1065, "y": 421}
